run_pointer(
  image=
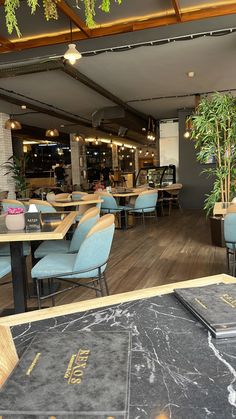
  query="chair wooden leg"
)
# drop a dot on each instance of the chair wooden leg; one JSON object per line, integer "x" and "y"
{"x": 227, "y": 260}
{"x": 38, "y": 288}
{"x": 233, "y": 267}
{"x": 105, "y": 283}
{"x": 143, "y": 217}
{"x": 170, "y": 206}
{"x": 100, "y": 281}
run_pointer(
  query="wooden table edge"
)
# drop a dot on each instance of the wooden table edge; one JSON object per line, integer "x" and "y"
{"x": 75, "y": 203}
{"x": 58, "y": 233}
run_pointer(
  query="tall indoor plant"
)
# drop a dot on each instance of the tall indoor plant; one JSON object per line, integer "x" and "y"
{"x": 213, "y": 129}
{"x": 16, "y": 168}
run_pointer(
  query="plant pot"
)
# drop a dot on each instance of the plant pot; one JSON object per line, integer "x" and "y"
{"x": 15, "y": 221}
{"x": 217, "y": 231}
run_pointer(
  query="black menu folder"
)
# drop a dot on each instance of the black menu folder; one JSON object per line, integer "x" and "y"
{"x": 70, "y": 374}
{"x": 214, "y": 305}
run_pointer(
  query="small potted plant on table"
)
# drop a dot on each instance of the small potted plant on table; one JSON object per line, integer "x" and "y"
{"x": 213, "y": 129}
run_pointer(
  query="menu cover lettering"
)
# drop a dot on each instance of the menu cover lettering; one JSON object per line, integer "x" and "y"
{"x": 214, "y": 305}
{"x": 70, "y": 374}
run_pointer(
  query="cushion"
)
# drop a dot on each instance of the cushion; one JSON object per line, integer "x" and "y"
{"x": 52, "y": 246}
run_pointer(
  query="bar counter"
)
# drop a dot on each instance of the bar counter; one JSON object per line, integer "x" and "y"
{"x": 177, "y": 368}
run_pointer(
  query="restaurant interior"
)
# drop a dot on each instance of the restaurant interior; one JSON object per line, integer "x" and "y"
{"x": 102, "y": 190}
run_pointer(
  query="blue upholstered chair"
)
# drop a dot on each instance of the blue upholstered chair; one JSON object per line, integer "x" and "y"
{"x": 144, "y": 204}
{"x": 230, "y": 241}
{"x": 5, "y": 249}
{"x": 89, "y": 218}
{"x": 85, "y": 268}
{"x": 77, "y": 195}
{"x": 83, "y": 208}
{"x": 11, "y": 203}
{"x": 5, "y": 268}
{"x": 42, "y": 206}
{"x": 110, "y": 206}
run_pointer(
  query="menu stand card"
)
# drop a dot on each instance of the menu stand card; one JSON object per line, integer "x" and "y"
{"x": 70, "y": 374}
{"x": 32, "y": 221}
{"x": 214, "y": 305}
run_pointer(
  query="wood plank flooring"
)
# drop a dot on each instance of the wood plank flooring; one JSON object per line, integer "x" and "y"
{"x": 173, "y": 248}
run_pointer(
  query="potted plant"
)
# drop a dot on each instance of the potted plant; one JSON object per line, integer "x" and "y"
{"x": 213, "y": 129}
{"x": 15, "y": 218}
{"x": 16, "y": 167}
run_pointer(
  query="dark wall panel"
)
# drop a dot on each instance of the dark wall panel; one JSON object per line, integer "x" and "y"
{"x": 195, "y": 184}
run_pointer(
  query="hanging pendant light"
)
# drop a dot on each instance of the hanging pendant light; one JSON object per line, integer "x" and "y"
{"x": 12, "y": 124}
{"x": 78, "y": 138}
{"x": 72, "y": 55}
{"x": 52, "y": 133}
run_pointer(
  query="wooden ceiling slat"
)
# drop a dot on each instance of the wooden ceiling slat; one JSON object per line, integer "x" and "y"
{"x": 6, "y": 44}
{"x": 209, "y": 12}
{"x": 73, "y": 16}
{"x": 177, "y": 9}
{"x": 136, "y": 25}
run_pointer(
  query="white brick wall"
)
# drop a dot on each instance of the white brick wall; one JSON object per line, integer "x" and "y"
{"x": 6, "y": 181}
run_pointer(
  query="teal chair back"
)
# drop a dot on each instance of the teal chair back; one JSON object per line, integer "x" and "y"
{"x": 95, "y": 249}
{"x": 146, "y": 201}
{"x": 11, "y": 203}
{"x": 230, "y": 229}
{"x": 76, "y": 196}
{"x": 109, "y": 202}
{"x": 88, "y": 220}
{"x": 42, "y": 206}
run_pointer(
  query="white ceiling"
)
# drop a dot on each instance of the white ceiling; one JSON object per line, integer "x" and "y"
{"x": 142, "y": 73}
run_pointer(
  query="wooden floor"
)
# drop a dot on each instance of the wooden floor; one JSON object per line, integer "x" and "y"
{"x": 174, "y": 248}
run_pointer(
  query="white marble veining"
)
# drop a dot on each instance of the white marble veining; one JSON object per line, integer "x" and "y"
{"x": 177, "y": 367}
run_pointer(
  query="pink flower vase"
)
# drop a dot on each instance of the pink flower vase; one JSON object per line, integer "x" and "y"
{"x": 15, "y": 219}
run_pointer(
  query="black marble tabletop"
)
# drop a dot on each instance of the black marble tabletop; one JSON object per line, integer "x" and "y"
{"x": 177, "y": 367}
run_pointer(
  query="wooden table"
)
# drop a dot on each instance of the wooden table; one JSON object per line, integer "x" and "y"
{"x": 66, "y": 203}
{"x": 53, "y": 231}
{"x": 163, "y": 377}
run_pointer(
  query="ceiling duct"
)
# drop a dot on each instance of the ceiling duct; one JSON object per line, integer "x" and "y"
{"x": 119, "y": 117}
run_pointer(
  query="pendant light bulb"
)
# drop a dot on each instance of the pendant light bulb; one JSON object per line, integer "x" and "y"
{"x": 72, "y": 55}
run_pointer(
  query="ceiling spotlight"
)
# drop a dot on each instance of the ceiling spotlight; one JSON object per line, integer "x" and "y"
{"x": 144, "y": 129}
{"x": 72, "y": 55}
{"x": 96, "y": 141}
{"x": 122, "y": 147}
{"x": 52, "y": 133}
{"x": 190, "y": 74}
{"x": 187, "y": 134}
{"x": 23, "y": 106}
{"x": 132, "y": 150}
{"x": 62, "y": 125}
{"x": 13, "y": 124}
{"x": 140, "y": 151}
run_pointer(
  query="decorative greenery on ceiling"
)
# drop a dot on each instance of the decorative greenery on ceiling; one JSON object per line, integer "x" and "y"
{"x": 50, "y": 11}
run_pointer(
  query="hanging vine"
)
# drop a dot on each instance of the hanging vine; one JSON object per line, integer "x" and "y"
{"x": 50, "y": 11}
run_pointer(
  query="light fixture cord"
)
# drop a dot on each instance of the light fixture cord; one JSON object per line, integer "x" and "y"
{"x": 71, "y": 31}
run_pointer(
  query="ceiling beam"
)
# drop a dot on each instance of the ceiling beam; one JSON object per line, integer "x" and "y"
{"x": 71, "y": 71}
{"x": 73, "y": 119}
{"x": 177, "y": 9}
{"x": 76, "y": 74}
{"x": 186, "y": 16}
{"x": 44, "y": 110}
{"x": 73, "y": 16}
